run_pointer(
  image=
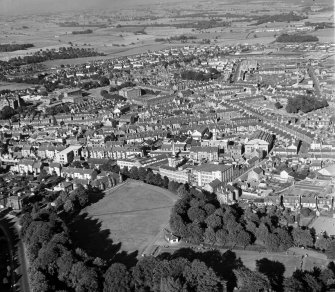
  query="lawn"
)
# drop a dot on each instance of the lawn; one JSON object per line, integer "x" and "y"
{"x": 133, "y": 214}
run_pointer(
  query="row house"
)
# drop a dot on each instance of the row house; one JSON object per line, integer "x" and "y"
{"x": 79, "y": 173}
{"x": 49, "y": 151}
{"x": 199, "y": 153}
{"x": 111, "y": 152}
{"x": 26, "y": 166}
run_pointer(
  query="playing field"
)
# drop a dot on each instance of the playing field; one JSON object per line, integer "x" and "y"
{"x": 134, "y": 214}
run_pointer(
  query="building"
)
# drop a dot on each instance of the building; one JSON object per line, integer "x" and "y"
{"x": 175, "y": 174}
{"x": 206, "y": 173}
{"x": 208, "y": 153}
{"x": 260, "y": 141}
{"x": 67, "y": 155}
{"x": 130, "y": 92}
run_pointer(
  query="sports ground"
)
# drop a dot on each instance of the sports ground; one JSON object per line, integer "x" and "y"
{"x": 134, "y": 213}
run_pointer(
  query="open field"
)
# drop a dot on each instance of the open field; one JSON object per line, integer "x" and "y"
{"x": 134, "y": 214}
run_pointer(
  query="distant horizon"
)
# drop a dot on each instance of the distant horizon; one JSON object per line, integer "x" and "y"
{"x": 30, "y": 7}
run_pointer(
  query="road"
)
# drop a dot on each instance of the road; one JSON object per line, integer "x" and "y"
{"x": 9, "y": 224}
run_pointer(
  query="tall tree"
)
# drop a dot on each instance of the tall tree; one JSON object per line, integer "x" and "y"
{"x": 117, "y": 278}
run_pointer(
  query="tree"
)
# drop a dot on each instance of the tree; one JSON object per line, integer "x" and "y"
{"x": 285, "y": 239}
{"x": 302, "y": 237}
{"x": 322, "y": 243}
{"x": 65, "y": 263}
{"x": 142, "y": 173}
{"x": 104, "y": 81}
{"x": 196, "y": 214}
{"x": 150, "y": 178}
{"x": 84, "y": 278}
{"x": 209, "y": 235}
{"x": 248, "y": 280}
{"x": 272, "y": 242}
{"x": 201, "y": 278}
{"x": 182, "y": 191}
{"x": 173, "y": 186}
{"x": 214, "y": 221}
{"x": 134, "y": 173}
{"x": 143, "y": 276}
{"x": 292, "y": 284}
{"x": 243, "y": 238}
{"x": 170, "y": 284}
{"x": 330, "y": 252}
{"x": 43, "y": 175}
{"x": 6, "y": 113}
{"x": 68, "y": 206}
{"x": 39, "y": 282}
{"x": 195, "y": 232}
{"x": 117, "y": 278}
{"x": 76, "y": 164}
{"x": 221, "y": 236}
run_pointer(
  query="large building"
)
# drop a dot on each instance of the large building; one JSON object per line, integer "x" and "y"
{"x": 175, "y": 174}
{"x": 206, "y": 173}
{"x": 261, "y": 141}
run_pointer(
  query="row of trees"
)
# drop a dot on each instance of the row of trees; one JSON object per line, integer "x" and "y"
{"x": 41, "y": 56}
{"x": 55, "y": 264}
{"x": 296, "y": 38}
{"x": 305, "y": 104}
{"x": 198, "y": 218}
{"x": 284, "y": 17}
{"x": 14, "y": 47}
{"x": 86, "y": 31}
{"x": 199, "y": 76}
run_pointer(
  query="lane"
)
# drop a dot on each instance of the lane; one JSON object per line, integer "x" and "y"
{"x": 19, "y": 267}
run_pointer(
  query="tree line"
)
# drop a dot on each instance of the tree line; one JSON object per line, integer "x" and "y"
{"x": 296, "y": 38}
{"x": 198, "y": 218}
{"x": 199, "y": 76}
{"x": 86, "y": 31}
{"x": 14, "y": 47}
{"x": 284, "y": 17}
{"x": 45, "y": 55}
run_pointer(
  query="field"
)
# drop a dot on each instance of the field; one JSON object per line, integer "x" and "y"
{"x": 133, "y": 215}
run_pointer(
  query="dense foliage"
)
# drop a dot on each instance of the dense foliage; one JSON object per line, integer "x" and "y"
{"x": 14, "y": 47}
{"x": 198, "y": 218}
{"x": 284, "y": 17}
{"x": 296, "y": 38}
{"x": 305, "y": 104}
{"x": 6, "y": 113}
{"x": 199, "y": 76}
{"x": 86, "y": 31}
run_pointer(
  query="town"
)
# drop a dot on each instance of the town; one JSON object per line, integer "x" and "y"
{"x": 206, "y": 157}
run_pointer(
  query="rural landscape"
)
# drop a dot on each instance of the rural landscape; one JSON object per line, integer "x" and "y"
{"x": 167, "y": 146}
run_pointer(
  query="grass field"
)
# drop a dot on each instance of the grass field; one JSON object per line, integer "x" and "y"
{"x": 134, "y": 214}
